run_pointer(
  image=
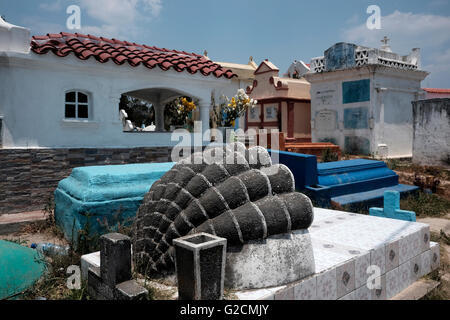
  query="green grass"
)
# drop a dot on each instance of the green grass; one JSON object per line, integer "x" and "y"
{"x": 424, "y": 204}
{"x": 53, "y": 285}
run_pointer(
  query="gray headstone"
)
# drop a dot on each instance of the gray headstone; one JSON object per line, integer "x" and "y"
{"x": 115, "y": 258}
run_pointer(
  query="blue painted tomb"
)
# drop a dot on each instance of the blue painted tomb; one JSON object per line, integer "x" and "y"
{"x": 100, "y": 197}
{"x": 355, "y": 184}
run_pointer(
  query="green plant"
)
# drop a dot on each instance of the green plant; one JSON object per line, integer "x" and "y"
{"x": 49, "y": 224}
{"x": 53, "y": 284}
{"x": 87, "y": 241}
{"x": 392, "y": 164}
{"x": 16, "y": 241}
{"x": 425, "y": 204}
{"x": 329, "y": 155}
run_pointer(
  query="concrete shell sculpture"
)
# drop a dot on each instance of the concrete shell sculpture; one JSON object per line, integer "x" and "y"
{"x": 228, "y": 191}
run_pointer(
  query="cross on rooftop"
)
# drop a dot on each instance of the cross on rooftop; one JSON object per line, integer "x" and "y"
{"x": 385, "y": 40}
{"x": 392, "y": 208}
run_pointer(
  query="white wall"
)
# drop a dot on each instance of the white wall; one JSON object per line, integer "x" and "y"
{"x": 32, "y": 94}
{"x": 431, "y": 132}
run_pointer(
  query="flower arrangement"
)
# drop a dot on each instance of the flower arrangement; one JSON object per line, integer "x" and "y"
{"x": 235, "y": 108}
{"x": 180, "y": 110}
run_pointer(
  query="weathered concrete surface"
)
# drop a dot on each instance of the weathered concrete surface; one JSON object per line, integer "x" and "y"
{"x": 417, "y": 290}
{"x": 275, "y": 261}
{"x": 431, "y": 139}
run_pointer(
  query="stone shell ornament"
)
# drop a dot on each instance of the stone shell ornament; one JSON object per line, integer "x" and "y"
{"x": 231, "y": 192}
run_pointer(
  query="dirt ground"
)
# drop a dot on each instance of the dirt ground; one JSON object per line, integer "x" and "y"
{"x": 439, "y": 233}
{"x": 26, "y": 239}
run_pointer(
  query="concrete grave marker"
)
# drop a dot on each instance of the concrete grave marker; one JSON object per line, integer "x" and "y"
{"x": 392, "y": 208}
{"x": 200, "y": 265}
{"x": 112, "y": 281}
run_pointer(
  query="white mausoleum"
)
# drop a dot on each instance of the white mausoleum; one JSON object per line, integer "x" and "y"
{"x": 63, "y": 90}
{"x": 361, "y": 99}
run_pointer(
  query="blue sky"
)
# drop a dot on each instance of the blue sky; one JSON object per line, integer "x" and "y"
{"x": 233, "y": 30}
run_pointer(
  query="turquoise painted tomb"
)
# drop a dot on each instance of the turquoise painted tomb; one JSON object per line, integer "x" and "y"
{"x": 98, "y": 198}
{"x": 20, "y": 268}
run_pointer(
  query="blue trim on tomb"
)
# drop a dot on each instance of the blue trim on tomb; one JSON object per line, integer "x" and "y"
{"x": 101, "y": 197}
{"x": 356, "y": 118}
{"x": 356, "y": 91}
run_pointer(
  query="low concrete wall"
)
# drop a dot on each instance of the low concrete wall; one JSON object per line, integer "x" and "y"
{"x": 431, "y": 143}
{"x": 28, "y": 177}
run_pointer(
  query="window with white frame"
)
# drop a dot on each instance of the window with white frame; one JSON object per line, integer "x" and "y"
{"x": 76, "y": 105}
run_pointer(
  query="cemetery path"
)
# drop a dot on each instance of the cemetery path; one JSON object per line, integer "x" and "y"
{"x": 437, "y": 224}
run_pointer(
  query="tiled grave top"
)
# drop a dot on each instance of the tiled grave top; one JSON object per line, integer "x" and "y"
{"x": 358, "y": 230}
{"x": 349, "y": 240}
{"x": 339, "y": 236}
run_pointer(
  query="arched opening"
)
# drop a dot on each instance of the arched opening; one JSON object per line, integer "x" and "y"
{"x": 157, "y": 109}
{"x": 139, "y": 112}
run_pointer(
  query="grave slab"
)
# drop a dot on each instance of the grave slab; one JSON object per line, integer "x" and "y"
{"x": 100, "y": 197}
{"x": 344, "y": 245}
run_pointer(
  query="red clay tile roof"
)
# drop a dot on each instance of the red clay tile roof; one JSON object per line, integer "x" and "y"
{"x": 104, "y": 49}
{"x": 435, "y": 90}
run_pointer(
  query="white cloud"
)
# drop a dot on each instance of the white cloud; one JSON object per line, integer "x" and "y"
{"x": 409, "y": 30}
{"x": 119, "y": 18}
{"x": 52, "y": 6}
{"x": 41, "y": 27}
{"x": 121, "y": 11}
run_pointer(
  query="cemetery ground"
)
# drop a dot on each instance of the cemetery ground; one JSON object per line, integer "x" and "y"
{"x": 431, "y": 204}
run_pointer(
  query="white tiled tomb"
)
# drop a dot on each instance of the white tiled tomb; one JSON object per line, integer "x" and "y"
{"x": 345, "y": 245}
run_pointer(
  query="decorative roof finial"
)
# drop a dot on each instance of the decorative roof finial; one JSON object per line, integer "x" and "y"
{"x": 205, "y": 53}
{"x": 385, "y": 45}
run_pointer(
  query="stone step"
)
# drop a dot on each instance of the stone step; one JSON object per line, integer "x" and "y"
{"x": 11, "y": 223}
{"x": 343, "y": 166}
{"x": 362, "y": 186}
{"x": 373, "y": 196}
